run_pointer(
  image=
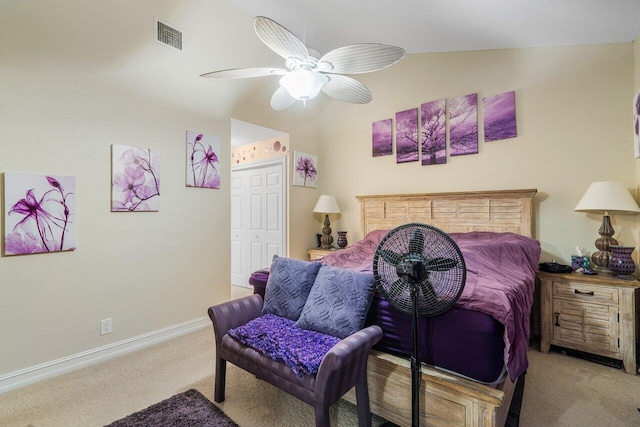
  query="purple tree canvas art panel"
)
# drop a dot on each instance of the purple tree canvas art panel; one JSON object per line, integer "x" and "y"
{"x": 500, "y": 116}
{"x": 203, "y": 160}
{"x": 407, "y": 136}
{"x": 135, "y": 185}
{"x": 433, "y": 133}
{"x": 382, "y": 138}
{"x": 463, "y": 125}
{"x": 305, "y": 169}
{"x": 636, "y": 125}
{"x": 40, "y": 213}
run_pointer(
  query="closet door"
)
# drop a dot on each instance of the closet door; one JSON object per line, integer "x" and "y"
{"x": 257, "y": 219}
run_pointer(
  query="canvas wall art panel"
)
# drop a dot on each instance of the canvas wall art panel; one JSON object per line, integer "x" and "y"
{"x": 135, "y": 179}
{"x": 636, "y": 125}
{"x": 463, "y": 125}
{"x": 40, "y": 213}
{"x": 203, "y": 160}
{"x": 499, "y": 116}
{"x": 407, "y": 136}
{"x": 305, "y": 169}
{"x": 433, "y": 133}
{"x": 382, "y": 138}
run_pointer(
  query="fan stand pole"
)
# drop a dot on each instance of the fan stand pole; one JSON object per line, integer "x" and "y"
{"x": 415, "y": 361}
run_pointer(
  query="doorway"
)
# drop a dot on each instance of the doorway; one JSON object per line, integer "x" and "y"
{"x": 258, "y": 218}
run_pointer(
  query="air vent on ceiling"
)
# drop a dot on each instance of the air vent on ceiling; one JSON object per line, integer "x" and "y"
{"x": 168, "y": 36}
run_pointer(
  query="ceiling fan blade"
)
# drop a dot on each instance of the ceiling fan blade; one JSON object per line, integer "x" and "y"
{"x": 362, "y": 58}
{"x": 346, "y": 89}
{"x": 279, "y": 39}
{"x": 242, "y": 73}
{"x": 281, "y": 99}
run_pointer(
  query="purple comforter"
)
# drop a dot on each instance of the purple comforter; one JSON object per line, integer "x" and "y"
{"x": 500, "y": 282}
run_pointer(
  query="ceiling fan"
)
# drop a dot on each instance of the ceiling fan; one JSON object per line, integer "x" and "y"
{"x": 306, "y": 74}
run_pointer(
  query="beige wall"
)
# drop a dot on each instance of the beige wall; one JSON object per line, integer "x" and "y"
{"x": 76, "y": 77}
{"x": 574, "y": 127}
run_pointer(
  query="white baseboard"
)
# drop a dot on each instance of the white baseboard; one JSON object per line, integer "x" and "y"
{"x": 33, "y": 374}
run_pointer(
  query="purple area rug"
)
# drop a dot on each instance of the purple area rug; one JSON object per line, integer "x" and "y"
{"x": 188, "y": 409}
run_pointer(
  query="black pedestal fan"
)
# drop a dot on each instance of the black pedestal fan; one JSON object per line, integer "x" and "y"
{"x": 420, "y": 270}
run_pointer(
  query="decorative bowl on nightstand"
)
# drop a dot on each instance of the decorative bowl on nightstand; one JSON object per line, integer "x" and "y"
{"x": 621, "y": 262}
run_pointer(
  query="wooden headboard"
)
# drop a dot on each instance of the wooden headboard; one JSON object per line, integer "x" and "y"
{"x": 498, "y": 211}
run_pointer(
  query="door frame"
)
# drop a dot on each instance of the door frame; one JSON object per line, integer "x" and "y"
{"x": 282, "y": 162}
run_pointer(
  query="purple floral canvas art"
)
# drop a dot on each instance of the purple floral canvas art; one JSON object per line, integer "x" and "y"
{"x": 203, "y": 160}
{"x": 381, "y": 138}
{"x": 135, "y": 185}
{"x": 433, "y": 132}
{"x": 305, "y": 169}
{"x": 407, "y": 136}
{"x": 40, "y": 213}
{"x": 463, "y": 125}
{"x": 499, "y": 116}
{"x": 636, "y": 125}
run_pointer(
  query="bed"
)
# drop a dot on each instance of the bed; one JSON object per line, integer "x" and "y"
{"x": 454, "y": 391}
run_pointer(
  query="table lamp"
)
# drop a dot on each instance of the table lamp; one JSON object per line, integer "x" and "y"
{"x": 606, "y": 197}
{"x": 326, "y": 205}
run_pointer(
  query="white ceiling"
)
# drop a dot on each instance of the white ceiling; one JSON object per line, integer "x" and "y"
{"x": 421, "y": 26}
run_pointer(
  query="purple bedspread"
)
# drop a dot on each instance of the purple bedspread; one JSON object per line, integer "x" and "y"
{"x": 500, "y": 282}
{"x": 279, "y": 339}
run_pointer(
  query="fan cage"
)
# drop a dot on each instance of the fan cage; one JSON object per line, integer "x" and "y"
{"x": 438, "y": 251}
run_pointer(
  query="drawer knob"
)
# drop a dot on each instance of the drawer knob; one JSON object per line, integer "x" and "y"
{"x": 557, "y": 318}
{"x": 583, "y": 293}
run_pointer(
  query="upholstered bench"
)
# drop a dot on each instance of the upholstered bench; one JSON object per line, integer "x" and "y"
{"x": 316, "y": 303}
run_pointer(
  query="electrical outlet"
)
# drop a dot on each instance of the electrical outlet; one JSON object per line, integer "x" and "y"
{"x": 106, "y": 327}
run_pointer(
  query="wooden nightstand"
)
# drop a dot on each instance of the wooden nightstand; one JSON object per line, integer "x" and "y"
{"x": 319, "y": 253}
{"x": 594, "y": 314}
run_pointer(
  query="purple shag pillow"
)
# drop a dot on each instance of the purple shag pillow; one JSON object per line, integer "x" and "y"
{"x": 288, "y": 286}
{"x": 338, "y": 302}
{"x": 279, "y": 339}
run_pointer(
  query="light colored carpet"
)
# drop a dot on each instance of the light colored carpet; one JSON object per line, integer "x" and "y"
{"x": 560, "y": 391}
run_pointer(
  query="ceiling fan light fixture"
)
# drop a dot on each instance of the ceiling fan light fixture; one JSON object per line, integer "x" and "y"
{"x": 303, "y": 84}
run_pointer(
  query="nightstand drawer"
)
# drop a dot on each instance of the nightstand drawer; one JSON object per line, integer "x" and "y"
{"x": 586, "y": 292}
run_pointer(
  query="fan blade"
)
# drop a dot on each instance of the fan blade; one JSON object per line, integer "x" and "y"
{"x": 346, "y": 89}
{"x": 416, "y": 242}
{"x": 281, "y": 99}
{"x": 390, "y": 256}
{"x": 428, "y": 292}
{"x": 243, "y": 73}
{"x": 441, "y": 264}
{"x": 279, "y": 39}
{"x": 362, "y": 58}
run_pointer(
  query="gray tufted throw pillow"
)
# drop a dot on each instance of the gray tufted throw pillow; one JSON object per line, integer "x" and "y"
{"x": 338, "y": 302}
{"x": 288, "y": 286}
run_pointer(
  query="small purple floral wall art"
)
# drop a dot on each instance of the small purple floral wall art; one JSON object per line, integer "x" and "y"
{"x": 463, "y": 125}
{"x": 203, "y": 160}
{"x": 135, "y": 179}
{"x": 381, "y": 138}
{"x": 305, "y": 169}
{"x": 40, "y": 213}
{"x": 433, "y": 133}
{"x": 636, "y": 125}
{"x": 407, "y": 136}
{"x": 500, "y": 116}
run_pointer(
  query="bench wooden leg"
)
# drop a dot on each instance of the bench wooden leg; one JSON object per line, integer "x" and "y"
{"x": 221, "y": 374}
{"x": 322, "y": 415}
{"x": 362, "y": 398}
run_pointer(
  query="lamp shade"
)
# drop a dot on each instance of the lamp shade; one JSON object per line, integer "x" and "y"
{"x": 327, "y": 204}
{"x": 303, "y": 84}
{"x": 607, "y": 196}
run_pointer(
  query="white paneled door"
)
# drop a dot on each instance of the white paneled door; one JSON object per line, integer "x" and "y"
{"x": 258, "y": 222}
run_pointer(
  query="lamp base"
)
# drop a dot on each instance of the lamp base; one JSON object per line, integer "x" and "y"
{"x": 326, "y": 239}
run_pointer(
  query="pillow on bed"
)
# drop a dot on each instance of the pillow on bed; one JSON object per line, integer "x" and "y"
{"x": 288, "y": 286}
{"x": 338, "y": 302}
